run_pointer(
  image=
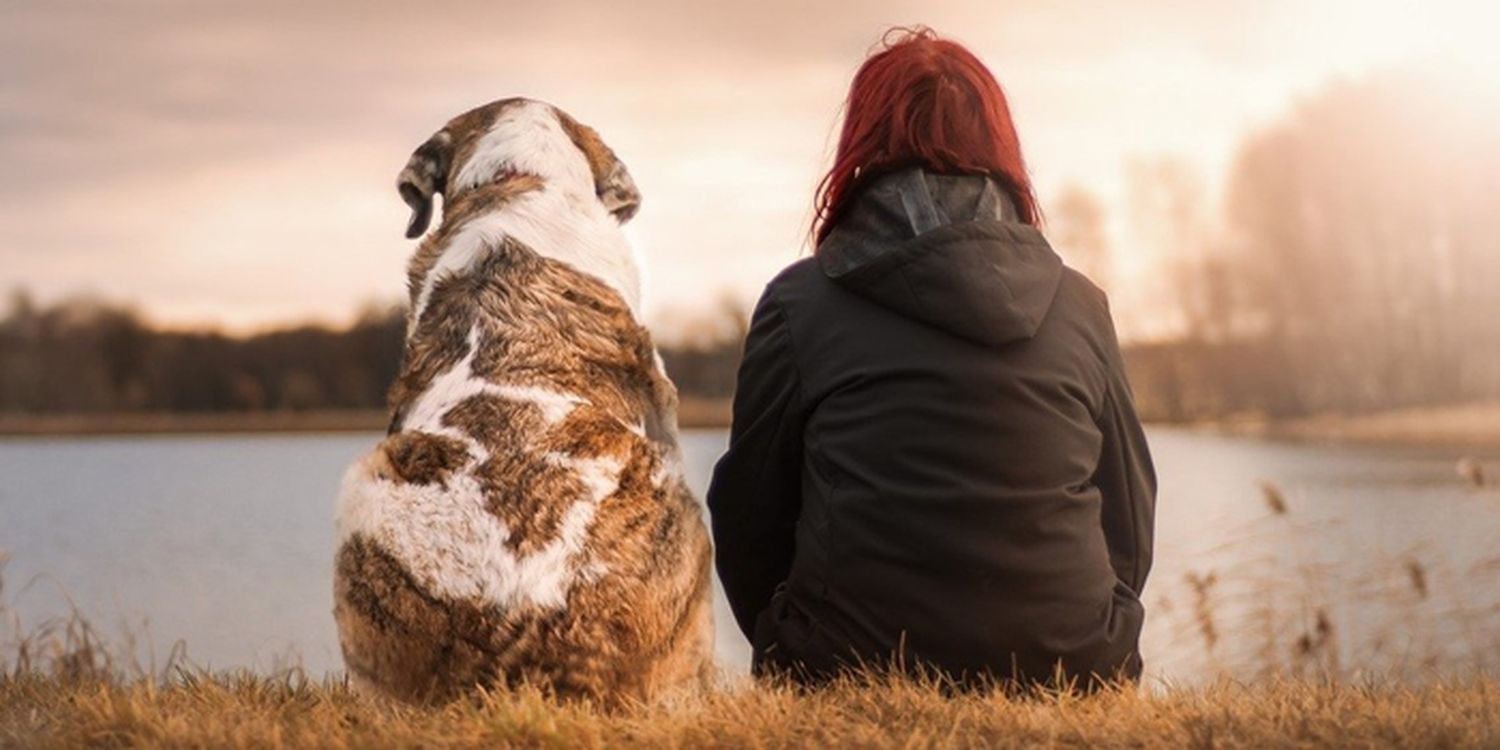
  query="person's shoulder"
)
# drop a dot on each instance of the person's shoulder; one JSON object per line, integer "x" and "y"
{"x": 1081, "y": 301}
{"x": 799, "y": 272}
{"x": 1081, "y": 291}
{"x": 796, "y": 281}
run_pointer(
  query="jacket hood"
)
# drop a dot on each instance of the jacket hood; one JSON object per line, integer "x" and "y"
{"x": 947, "y": 250}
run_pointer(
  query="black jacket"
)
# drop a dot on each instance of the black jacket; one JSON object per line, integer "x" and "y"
{"x": 935, "y": 458}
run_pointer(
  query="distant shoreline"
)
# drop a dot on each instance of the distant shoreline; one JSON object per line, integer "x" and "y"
{"x": 693, "y": 413}
{"x": 1473, "y": 426}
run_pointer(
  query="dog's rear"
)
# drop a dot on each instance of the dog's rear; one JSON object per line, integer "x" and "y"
{"x": 526, "y": 519}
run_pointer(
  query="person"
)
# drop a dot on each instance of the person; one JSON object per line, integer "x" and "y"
{"x": 935, "y": 463}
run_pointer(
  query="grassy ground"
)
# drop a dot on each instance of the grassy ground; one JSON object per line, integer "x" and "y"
{"x": 247, "y": 711}
{"x": 61, "y": 685}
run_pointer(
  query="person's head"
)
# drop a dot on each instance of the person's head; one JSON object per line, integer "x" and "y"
{"x": 923, "y": 101}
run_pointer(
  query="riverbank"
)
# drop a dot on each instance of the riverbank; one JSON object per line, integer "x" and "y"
{"x": 1474, "y": 426}
{"x": 693, "y": 413}
{"x": 250, "y": 711}
{"x": 1466, "y": 426}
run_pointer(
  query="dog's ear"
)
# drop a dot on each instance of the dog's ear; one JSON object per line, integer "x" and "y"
{"x": 618, "y": 193}
{"x": 425, "y": 175}
{"x": 612, "y": 181}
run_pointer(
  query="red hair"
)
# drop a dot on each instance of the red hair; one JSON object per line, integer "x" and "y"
{"x": 923, "y": 101}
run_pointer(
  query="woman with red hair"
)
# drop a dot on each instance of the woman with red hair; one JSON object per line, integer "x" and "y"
{"x": 935, "y": 462}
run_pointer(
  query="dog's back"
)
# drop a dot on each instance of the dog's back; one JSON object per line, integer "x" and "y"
{"x": 526, "y": 519}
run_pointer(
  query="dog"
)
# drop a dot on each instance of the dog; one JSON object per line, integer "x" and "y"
{"x": 526, "y": 519}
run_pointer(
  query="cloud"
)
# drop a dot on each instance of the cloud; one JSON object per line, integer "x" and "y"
{"x": 233, "y": 160}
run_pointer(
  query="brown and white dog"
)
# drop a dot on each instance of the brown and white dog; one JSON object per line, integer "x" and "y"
{"x": 526, "y": 518}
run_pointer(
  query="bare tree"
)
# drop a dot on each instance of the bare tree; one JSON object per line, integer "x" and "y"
{"x": 1365, "y": 248}
{"x": 1077, "y": 226}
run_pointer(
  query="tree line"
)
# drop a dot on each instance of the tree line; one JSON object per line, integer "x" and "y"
{"x": 86, "y": 356}
{"x": 1354, "y": 265}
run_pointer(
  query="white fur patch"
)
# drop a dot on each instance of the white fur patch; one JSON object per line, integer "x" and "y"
{"x": 528, "y": 138}
{"x": 456, "y": 549}
{"x": 555, "y": 406}
{"x": 459, "y": 383}
{"x": 444, "y": 534}
{"x": 564, "y": 220}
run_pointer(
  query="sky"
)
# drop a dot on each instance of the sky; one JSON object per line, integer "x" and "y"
{"x": 233, "y": 164}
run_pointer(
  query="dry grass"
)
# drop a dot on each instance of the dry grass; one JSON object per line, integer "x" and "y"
{"x": 241, "y": 711}
{"x": 61, "y": 685}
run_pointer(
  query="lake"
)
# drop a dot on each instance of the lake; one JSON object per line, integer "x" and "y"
{"x": 1382, "y": 561}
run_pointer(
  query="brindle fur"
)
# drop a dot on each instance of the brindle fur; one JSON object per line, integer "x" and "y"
{"x": 636, "y": 620}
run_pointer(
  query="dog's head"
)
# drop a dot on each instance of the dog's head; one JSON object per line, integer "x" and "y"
{"x": 514, "y": 137}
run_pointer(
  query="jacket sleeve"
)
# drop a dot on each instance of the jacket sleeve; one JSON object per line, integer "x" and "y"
{"x": 755, "y": 495}
{"x": 1126, "y": 479}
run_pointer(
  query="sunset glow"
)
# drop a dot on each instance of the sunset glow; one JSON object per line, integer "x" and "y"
{"x": 233, "y": 165}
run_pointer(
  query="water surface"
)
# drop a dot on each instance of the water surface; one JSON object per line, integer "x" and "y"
{"x": 226, "y": 543}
